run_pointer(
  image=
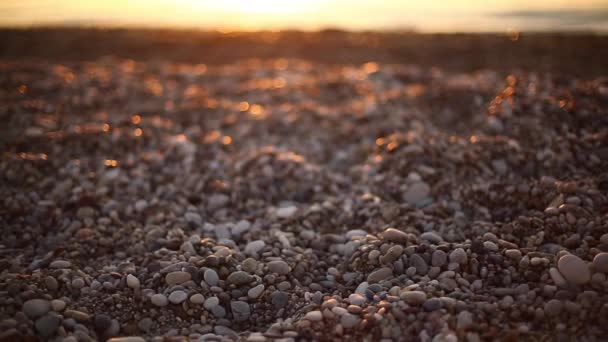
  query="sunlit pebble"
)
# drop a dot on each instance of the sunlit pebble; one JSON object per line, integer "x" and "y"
{"x": 226, "y": 140}
{"x": 279, "y": 82}
{"x": 243, "y": 106}
{"x": 256, "y": 110}
{"x": 370, "y": 67}
{"x": 22, "y": 89}
{"x": 105, "y": 127}
{"x": 138, "y": 132}
{"x": 136, "y": 119}
{"x": 111, "y": 162}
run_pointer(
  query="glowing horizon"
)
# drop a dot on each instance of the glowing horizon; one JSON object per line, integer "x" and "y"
{"x": 431, "y": 15}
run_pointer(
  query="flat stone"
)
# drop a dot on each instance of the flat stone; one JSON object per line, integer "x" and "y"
{"x": 574, "y": 269}
{"x": 34, "y": 308}
{"x": 416, "y": 193}
{"x": 464, "y": 320}
{"x": 239, "y": 278}
{"x": 379, "y": 275}
{"x": 218, "y": 311}
{"x": 514, "y": 254}
{"x": 278, "y": 267}
{"x": 357, "y": 299}
{"x": 418, "y": 262}
{"x": 60, "y": 264}
{"x": 432, "y": 304}
{"x": 286, "y": 212}
{"x": 145, "y": 324}
{"x": 58, "y": 305}
{"x": 211, "y": 277}
{"x": 177, "y": 277}
{"x": 256, "y": 291}
{"x": 393, "y": 253}
{"x": 600, "y": 262}
{"x": 197, "y": 299}
{"x": 132, "y": 281}
{"x": 349, "y": 320}
{"x": 240, "y": 310}
{"x": 394, "y": 235}
{"x": 431, "y": 237}
{"x": 314, "y": 316}
{"x": 413, "y": 297}
{"x": 557, "y": 277}
{"x": 279, "y": 299}
{"x": 224, "y": 331}
{"x": 439, "y": 258}
{"x": 211, "y": 302}
{"x": 254, "y": 247}
{"x": 159, "y": 299}
{"x": 77, "y": 315}
{"x": 459, "y": 256}
{"x": 490, "y": 246}
{"x": 178, "y": 297}
{"x": 249, "y": 265}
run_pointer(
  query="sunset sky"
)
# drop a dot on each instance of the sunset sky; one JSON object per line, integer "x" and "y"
{"x": 429, "y": 15}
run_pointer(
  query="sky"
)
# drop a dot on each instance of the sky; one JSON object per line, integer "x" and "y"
{"x": 427, "y": 15}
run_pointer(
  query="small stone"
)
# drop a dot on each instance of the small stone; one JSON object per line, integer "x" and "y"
{"x": 431, "y": 237}
{"x": 177, "y": 277}
{"x": 132, "y": 281}
{"x": 211, "y": 277}
{"x": 197, "y": 299}
{"x": 574, "y": 269}
{"x": 102, "y": 322}
{"x": 418, "y": 262}
{"x": 60, "y": 264}
{"x": 393, "y": 253}
{"x": 413, "y": 297}
{"x": 600, "y": 262}
{"x": 432, "y": 304}
{"x": 240, "y": 310}
{"x": 394, "y": 235}
{"x": 249, "y": 265}
{"x": 224, "y": 331}
{"x": 77, "y": 315}
{"x": 218, "y": 311}
{"x": 51, "y": 283}
{"x": 279, "y": 299}
{"x": 553, "y": 307}
{"x": 239, "y": 278}
{"x": 47, "y": 325}
{"x": 145, "y": 324}
{"x": 178, "y": 297}
{"x": 314, "y": 316}
{"x": 58, "y": 305}
{"x": 159, "y": 299}
{"x": 490, "y": 246}
{"x": 379, "y": 275}
{"x": 36, "y": 307}
{"x": 253, "y": 247}
{"x": 459, "y": 256}
{"x": 256, "y": 291}
{"x": 357, "y": 299}
{"x": 127, "y": 339}
{"x": 286, "y": 212}
{"x": 464, "y": 320}
{"x": 557, "y": 277}
{"x": 416, "y": 193}
{"x": 514, "y": 254}
{"x": 439, "y": 258}
{"x": 211, "y": 302}
{"x": 278, "y": 267}
{"x": 349, "y": 320}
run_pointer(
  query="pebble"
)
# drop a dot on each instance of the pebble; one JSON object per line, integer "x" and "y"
{"x": 102, "y": 322}
{"x": 278, "y": 267}
{"x": 279, "y": 299}
{"x": 416, "y": 193}
{"x": 557, "y": 277}
{"x": 458, "y": 256}
{"x": 357, "y": 299}
{"x": 254, "y": 247}
{"x": 314, "y": 316}
{"x": 60, "y": 264}
{"x": 159, "y": 299}
{"x": 240, "y": 310}
{"x": 394, "y": 235}
{"x": 286, "y": 212}
{"x": 490, "y": 246}
{"x": 413, "y": 297}
{"x": 58, "y": 305}
{"x": 77, "y": 315}
{"x": 348, "y": 320}
{"x": 393, "y": 253}
{"x": 464, "y": 320}
{"x": 573, "y": 269}
{"x": 34, "y": 308}
{"x": 379, "y": 275}
{"x": 239, "y": 278}
{"x": 197, "y": 298}
{"x": 249, "y": 265}
{"x": 514, "y": 254}
{"x": 211, "y": 302}
{"x": 439, "y": 258}
{"x": 127, "y": 339}
{"x": 47, "y": 325}
{"x": 553, "y": 307}
{"x": 600, "y": 262}
{"x": 211, "y": 277}
{"x": 132, "y": 281}
{"x": 177, "y": 278}
{"x": 431, "y": 237}
{"x": 418, "y": 262}
{"x": 178, "y": 297}
{"x": 255, "y": 291}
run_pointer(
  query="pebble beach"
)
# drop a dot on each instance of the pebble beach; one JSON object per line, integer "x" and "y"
{"x": 285, "y": 199}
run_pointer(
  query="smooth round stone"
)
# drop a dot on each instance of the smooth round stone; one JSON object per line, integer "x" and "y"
{"x": 51, "y": 283}
{"x": 349, "y": 320}
{"x": 34, "y": 308}
{"x": 394, "y": 235}
{"x": 58, "y": 305}
{"x": 432, "y": 304}
{"x": 557, "y": 277}
{"x": 177, "y": 297}
{"x": 464, "y": 320}
{"x": 379, "y": 275}
{"x": 431, "y": 237}
{"x": 211, "y": 277}
{"x": 600, "y": 262}
{"x": 60, "y": 264}
{"x": 256, "y": 291}
{"x": 254, "y": 247}
{"x": 240, "y": 310}
{"x": 286, "y": 212}
{"x": 278, "y": 267}
{"x": 393, "y": 253}
{"x": 145, "y": 324}
{"x": 197, "y": 299}
{"x": 574, "y": 269}
{"x": 490, "y": 246}
{"x": 439, "y": 258}
{"x": 416, "y": 193}
{"x": 249, "y": 265}
{"x": 357, "y": 299}
{"x": 177, "y": 277}
{"x": 314, "y": 316}
{"x": 159, "y": 299}
{"x": 458, "y": 256}
{"x": 413, "y": 297}
{"x": 279, "y": 299}
{"x": 211, "y": 302}
{"x": 102, "y": 322}
{"x": 239, "y": 278}
{"x": 218, "y": 311}
{"x": 78, "y": 283}
{"x": 132, "y": 281}
{"x": 418, "y": 262}
{"x": 553, "y": 307}
{"x": 514, "y": 254}
{"x": 48, "y": 324}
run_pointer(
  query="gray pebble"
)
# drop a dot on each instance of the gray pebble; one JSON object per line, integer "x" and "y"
{"x": 47, "y": 325}
{"x": 256, "y": 291}
{"x": 574, "y": 269}
{"x": 178, "y": 297}
{"x": 278, "y": 267}
{"x": 458, "y": 256}
{"x": 240, "y": 310}
{"x": 394, "y": 235}
{"x": 177, "y": 277}
{"x": 159, "y": 299}
{"x": 34, "y": 308}
{"x": 239, "y": 278}
{"x": 379, "y": 275}
{"x": 418, "y": 262}
{"x": 211, "y": 277}
{"x": 279, "y": 299}
{"x": 439, "y": 258}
